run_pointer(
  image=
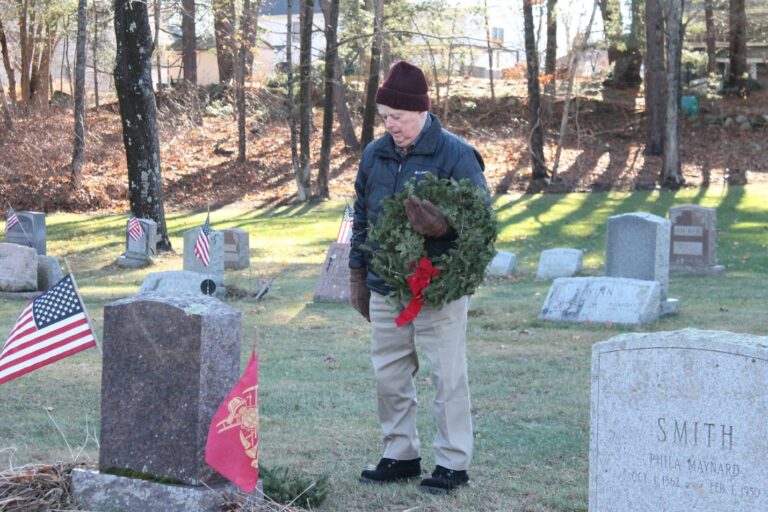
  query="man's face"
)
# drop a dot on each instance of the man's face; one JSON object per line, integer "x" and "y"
{"x": 403, "y": 125}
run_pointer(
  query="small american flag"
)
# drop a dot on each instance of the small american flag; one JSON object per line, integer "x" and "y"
{"x": 135, "y": 230}
{"x": 51, "y": 327}
{"x": 202, "y": 245}
{"x": 345, "y": 229}
{"x": 11, "y": 219}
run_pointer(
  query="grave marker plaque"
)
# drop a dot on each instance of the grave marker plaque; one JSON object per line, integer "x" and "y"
{"x": 333, "y": 284}
{"x": 236, "y": 250}
{"x": 693, "y": 239}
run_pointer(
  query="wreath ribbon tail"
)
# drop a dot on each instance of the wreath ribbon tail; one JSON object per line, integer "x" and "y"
{"x": 417, "y": 283}
{"x": 411, "y": 311}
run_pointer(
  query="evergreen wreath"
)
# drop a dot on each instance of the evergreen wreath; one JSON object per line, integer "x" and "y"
{"x": 397, "y": 248}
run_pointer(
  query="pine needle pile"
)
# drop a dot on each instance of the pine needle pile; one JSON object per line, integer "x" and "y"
{"x": 397, "y": 247}
{"x": 39, "y": 488}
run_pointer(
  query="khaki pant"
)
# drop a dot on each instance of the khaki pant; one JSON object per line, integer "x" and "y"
{"x": 441, "y": 334}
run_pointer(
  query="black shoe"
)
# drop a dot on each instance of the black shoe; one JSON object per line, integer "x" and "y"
{"x": 392, "y": 470}
{"x": 444, "y": 480}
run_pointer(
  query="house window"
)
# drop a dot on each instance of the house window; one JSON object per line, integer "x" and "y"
{"x": 295, "y": 30}
{"x": 497, "y": 34}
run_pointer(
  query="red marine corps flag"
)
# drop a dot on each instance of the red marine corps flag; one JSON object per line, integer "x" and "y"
{"x": 53, "y": 326}
{"x": 232, "y": 448}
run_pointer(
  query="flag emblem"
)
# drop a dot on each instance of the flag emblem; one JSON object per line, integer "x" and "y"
{"x": 135, "y": 231}
{"x": 11, "y": 219}
{"x": 345, "y": 229}
{"x": 202, "y": 244}
{"x": 51, "y": 327}
{"x": 232, "y": 447}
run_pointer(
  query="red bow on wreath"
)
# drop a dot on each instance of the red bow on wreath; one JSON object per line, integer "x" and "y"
{"x": 417, "y": 283}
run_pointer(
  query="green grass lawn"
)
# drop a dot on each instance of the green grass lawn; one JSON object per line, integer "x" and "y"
{"x": 529, "y": 378}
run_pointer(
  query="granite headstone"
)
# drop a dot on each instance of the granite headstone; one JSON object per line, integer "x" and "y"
{"x": 215, "y": 268}
{"x": 237, "y": 254}
{"x": 693, "y": 244}
{"x": 333, "y": 284}
{"x": 139, "y": 253}
{"x": 29, "y": 231}
{"x": 175, "y": 282}
{"x": 678, "y": 422}
{"x": 168, "y": 363}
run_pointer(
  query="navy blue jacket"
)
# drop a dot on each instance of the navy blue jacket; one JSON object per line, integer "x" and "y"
{"x": 383, "y": 172}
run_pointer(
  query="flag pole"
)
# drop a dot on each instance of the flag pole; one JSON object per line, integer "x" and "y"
{"x": 87, "y": 316}
{"x": 21, "y": 225}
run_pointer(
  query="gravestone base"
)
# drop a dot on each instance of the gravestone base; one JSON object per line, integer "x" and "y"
{"x": 20, "y": 295}
{"x": 127, "y": 262}
{"x": 669, "y": 307}
{"x": 101, "y": 492}
{"x": 706, "y": 270}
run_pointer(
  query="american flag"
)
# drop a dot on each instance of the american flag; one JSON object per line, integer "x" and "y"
{"x": 345, "y": 229}
{"x": 135, "y": 230}
{"x": 51, "y": 327}
{"x": 202, "y": 245}
{"x": 11, "y": 219}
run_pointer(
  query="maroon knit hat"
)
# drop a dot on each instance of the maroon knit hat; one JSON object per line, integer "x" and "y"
{"x": 404, "y": 88}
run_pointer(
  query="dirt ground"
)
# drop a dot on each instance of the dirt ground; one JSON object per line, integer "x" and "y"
{"x": 603, "y": 150}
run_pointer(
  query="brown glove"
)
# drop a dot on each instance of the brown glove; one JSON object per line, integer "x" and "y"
{"x": 359, "y": 294}
{"x": 425, "y": 217}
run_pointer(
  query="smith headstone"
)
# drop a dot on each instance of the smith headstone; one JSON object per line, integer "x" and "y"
{"x": 560, "y": 262}
{"x": 602, "y": 299}
{"x": 30, "y": 231}
{"x": 678, "y": 423}
{"x": 236, "y": 249}
{"x": 168, "y": 363}
{"x": 215, "y": 268}
{"x": 333, "y": 284}
{"x": 693, "y": 244}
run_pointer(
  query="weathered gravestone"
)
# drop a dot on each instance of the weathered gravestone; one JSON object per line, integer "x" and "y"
{"x": 637, "y": 247}
{"x": 333, "y": 284}
{"x": 139, "y": 253}
{"x": 18, "y": 268}
{"x": 678, "y": 423}
{"x": 502, "y": 264}
{"x": 559, "y": 262}
{"x": 237, "y": 254}
{"x": 215, "y": 268}
{"x": 30, "y": 231}
{"x": 602, "y": 299}
{"x": 693, "y": 242}
{"x": 175, "y": 282}
{"x": 168, "y": 363}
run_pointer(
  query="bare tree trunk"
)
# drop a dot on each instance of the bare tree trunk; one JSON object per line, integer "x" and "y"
{"x": 245, "y": 28}
{"x": 342, "y": 111}
{"x": 737, "y": 33}
{"x": 78, "y": 151}
{"x": 138, "y": 112}
{"x": 305, "y": 93}
{"x": 223, "y": 23}
{"x": 489, "y": 45}
{"x": 655, "y": 78}
{"x": 671, "y": 174}
{"x": 710, "y": 38}
{"x": 369, "y": 113}
{"x": 26, "y": 50}
{"x": 155, "y": 48}
{"x": 536, "y": 140}
{"x": 189, "y": 41}
{"x": 302, "y": 192}
{"x": 95, "y": 54}
{"x": 550, "y": 55}
{"x": 6, "y": 109}
{"x": 9, "y": 71}
{"x": 331, "y": 57}
{"x": 42, "y": 96}
{"x": 576, "y": 53}
{"x": 432, "y": 60}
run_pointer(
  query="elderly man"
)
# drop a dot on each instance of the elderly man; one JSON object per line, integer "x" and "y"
{"x": 414, "y": 146}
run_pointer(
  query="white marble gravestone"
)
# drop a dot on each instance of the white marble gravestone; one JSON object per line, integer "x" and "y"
{"x": 678, "y": 423}
{"x": 560, "y": 262}
{"x": 602, "y": 299}
{"x": 503, "y": 264}
{"x": 215, "y": 268}
{"x": 139, "y": 253}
